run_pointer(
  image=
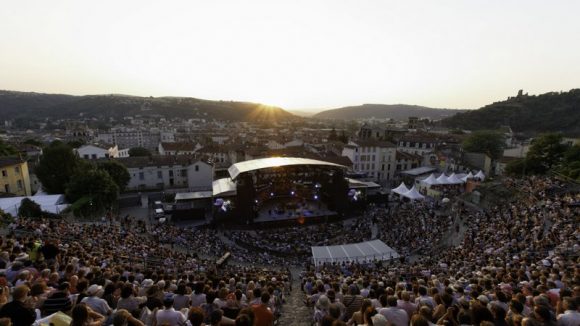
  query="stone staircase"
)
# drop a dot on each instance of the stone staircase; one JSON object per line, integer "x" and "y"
{"x": 294, "y": 311}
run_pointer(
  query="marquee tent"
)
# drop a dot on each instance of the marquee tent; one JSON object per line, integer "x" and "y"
{"x": 354, "y": 252}
{"x": 401, "y": 189}
{"x": 413, "y": 194}
{"x": 442, "y": 180}
{"x": 468, "y": 176}
{"x": 480, "y": 175}
{"x": 430, "y": 180}
{"x": 453, "y": 179}
{"x": 48, "y": 203}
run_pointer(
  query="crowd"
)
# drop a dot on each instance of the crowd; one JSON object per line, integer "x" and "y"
{"x": 297, "y": 241}
{"x": 518, "y": 264}
{"x": 124, "y": 274}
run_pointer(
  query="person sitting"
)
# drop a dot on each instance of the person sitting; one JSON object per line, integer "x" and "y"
{"x": 168, "y": 315}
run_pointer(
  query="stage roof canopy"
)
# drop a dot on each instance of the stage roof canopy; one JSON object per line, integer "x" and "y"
{"x": 224, "y": 187}
{"x": 359, "y": 252}
{"x": 272, "y": 162}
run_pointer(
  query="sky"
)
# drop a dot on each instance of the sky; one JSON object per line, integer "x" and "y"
{"x": 304, "y": 55}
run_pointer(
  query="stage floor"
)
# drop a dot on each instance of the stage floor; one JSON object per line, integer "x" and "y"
{"x": 269, "y": 211}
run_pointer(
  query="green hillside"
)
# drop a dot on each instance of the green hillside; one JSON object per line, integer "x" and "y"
{"x": 22, "y": 105}
{"x": 550, "y": 112}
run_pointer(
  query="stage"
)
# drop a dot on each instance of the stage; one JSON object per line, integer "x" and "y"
{"x": 293, "y": 211}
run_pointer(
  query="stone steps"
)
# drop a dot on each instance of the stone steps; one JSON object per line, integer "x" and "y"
{"x": 294, "y": 311}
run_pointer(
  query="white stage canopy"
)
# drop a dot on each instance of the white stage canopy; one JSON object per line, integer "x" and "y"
{"x": 353, "y": 252}
{"x": 271, "y": 162}
{"x": 401, "y": 189}
{"x": 480, "y": 175}
{"x": 224, "y": 187}
{"x": 413, "y": 194}
{"x": 48, "y": 203}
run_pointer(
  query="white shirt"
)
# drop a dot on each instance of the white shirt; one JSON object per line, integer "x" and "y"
{"x": 170, "y": 316}
{"x": 395, "y": 316}
{"x": 569, "y": 318}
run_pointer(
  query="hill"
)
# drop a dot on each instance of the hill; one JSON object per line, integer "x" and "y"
{"x": 24, "y": 105}
{"x": 383, "y": 111}
{"x": 528, "y": 114}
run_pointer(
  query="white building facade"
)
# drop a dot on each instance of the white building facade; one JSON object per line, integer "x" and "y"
{"x": 376, "y": 159}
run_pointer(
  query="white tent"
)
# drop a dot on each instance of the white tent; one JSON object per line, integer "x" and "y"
{"x": 430, "y": 180}
{"x": 401, "y": 189}
{"x": 468, "y": 176}
{"x": 453, "y": 179}
{"x": 442, "y": 180}
{"x": 480, "y": 175}
{"x": 359, "y": 252}
{"x": 413, "y": 194}
{"x": 48, "y": 203}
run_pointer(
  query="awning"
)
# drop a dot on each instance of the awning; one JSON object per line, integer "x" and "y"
{"x": 355, "y": 184}
{"x": 193, "y": 195}
{"x": 353, "y": 252}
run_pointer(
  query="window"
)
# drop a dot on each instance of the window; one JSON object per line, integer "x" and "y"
{"x": 159, "y": 175}
{"x": 17, "y": 169}
{"x": 171, "y": 173}
{"x": 6, "y": 188}
{"x": 19, "y": 184}
{"x": 141, "y": 176}
{"x": 94, "y": 156}
{"x": 4, "y": 173}
{"x": 86, "y": 156}
{"x": 184, "y": 173}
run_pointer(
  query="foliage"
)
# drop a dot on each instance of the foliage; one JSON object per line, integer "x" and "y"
{"x": 82, "y": 207}
{"x": 34, "y": 142}
{"x": 56, "y": 166}
{"x": 550, "y": 112}
{"x": 29, "y": 109}
{"x": 139, "y": 151}
{"x": 118, "y": 173}
{"x": 95, "y": 183}
{"x": 489, "y": 142}
{"x": 7, "y": 149}
{"x": 547, "y": 154}
{"x": 548, "y": 151}
{"x": 5, "y": 218}
{"x": 29, "y": 208}
{"x": 75, "y": 143}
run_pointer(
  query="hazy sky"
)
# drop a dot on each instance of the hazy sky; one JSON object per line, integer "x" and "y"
{"x": 295, "y": 54}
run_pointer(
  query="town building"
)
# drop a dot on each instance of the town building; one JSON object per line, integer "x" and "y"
{"x": 14, "y": 177}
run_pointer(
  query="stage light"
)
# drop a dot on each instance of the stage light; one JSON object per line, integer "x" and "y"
{"x": 292, "y": 192}
{"x": 271, "y": 194}
{"x": 315, "y": 197}
{"x": 256, "y": 201}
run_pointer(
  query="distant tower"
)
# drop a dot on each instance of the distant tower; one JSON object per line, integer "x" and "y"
{"x": 520, "y": 93}
{"x": 413, "y": 123}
